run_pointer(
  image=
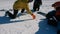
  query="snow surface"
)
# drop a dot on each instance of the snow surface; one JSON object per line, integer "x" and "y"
{"x": 24, "y": 23}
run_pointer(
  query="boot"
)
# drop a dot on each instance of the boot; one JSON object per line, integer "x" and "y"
{"x": 33, "y": 16}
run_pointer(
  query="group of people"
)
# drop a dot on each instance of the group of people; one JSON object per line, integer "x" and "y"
{"x": 23, "y": 5}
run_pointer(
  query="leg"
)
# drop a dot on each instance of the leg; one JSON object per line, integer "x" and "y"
{"x": 34, "y": 6}
{"x": 15, "y": 13}
{"x": 9, "y": 14}
{"x": 22, "y": 10}
{"x": 12, "y": 16}
{"x": 37, "y": 6}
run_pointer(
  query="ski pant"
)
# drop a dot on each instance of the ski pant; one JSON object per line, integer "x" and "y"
{"x": 22, "y": 10}
{"x": 36, "y": 6}
{"x": 13, "y": 15}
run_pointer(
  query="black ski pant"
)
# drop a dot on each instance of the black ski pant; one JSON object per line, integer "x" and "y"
{"x": 14, "y": 15}
{"x": 22, "y": 10}
{"x": 36, "y": 6}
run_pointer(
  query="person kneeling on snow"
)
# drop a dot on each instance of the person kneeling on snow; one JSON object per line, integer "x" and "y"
{"x": 20, "y": 4}
{"x": 57, "y": 15}
{"x": 54, "y": 16}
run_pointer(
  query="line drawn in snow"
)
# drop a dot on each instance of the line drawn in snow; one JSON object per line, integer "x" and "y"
{"x": 6, "y": 20}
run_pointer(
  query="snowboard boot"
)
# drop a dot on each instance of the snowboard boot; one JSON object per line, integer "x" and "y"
{"x": 33, "y": 16}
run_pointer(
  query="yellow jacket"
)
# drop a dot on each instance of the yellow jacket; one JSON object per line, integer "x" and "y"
{"x": 22, "y": 4}
{"x": 19, "y": 4}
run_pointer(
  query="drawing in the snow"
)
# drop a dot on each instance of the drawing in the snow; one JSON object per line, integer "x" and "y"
{"x": 23, "y": 23}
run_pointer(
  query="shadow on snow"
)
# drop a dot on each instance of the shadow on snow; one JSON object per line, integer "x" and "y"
{"x": 44, "y": 28}
{"x": 6, "y": 20}
{"x": 41, "y": 13}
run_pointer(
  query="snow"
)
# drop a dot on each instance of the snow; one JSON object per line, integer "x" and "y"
{"x": 24, "y": 24}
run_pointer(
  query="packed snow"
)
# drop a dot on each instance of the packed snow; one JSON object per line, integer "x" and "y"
{"x": 24, "y": 24}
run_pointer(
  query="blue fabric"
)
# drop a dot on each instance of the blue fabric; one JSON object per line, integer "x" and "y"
{"x": 58, "y": 26}
{"x": 52, "y": 13}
